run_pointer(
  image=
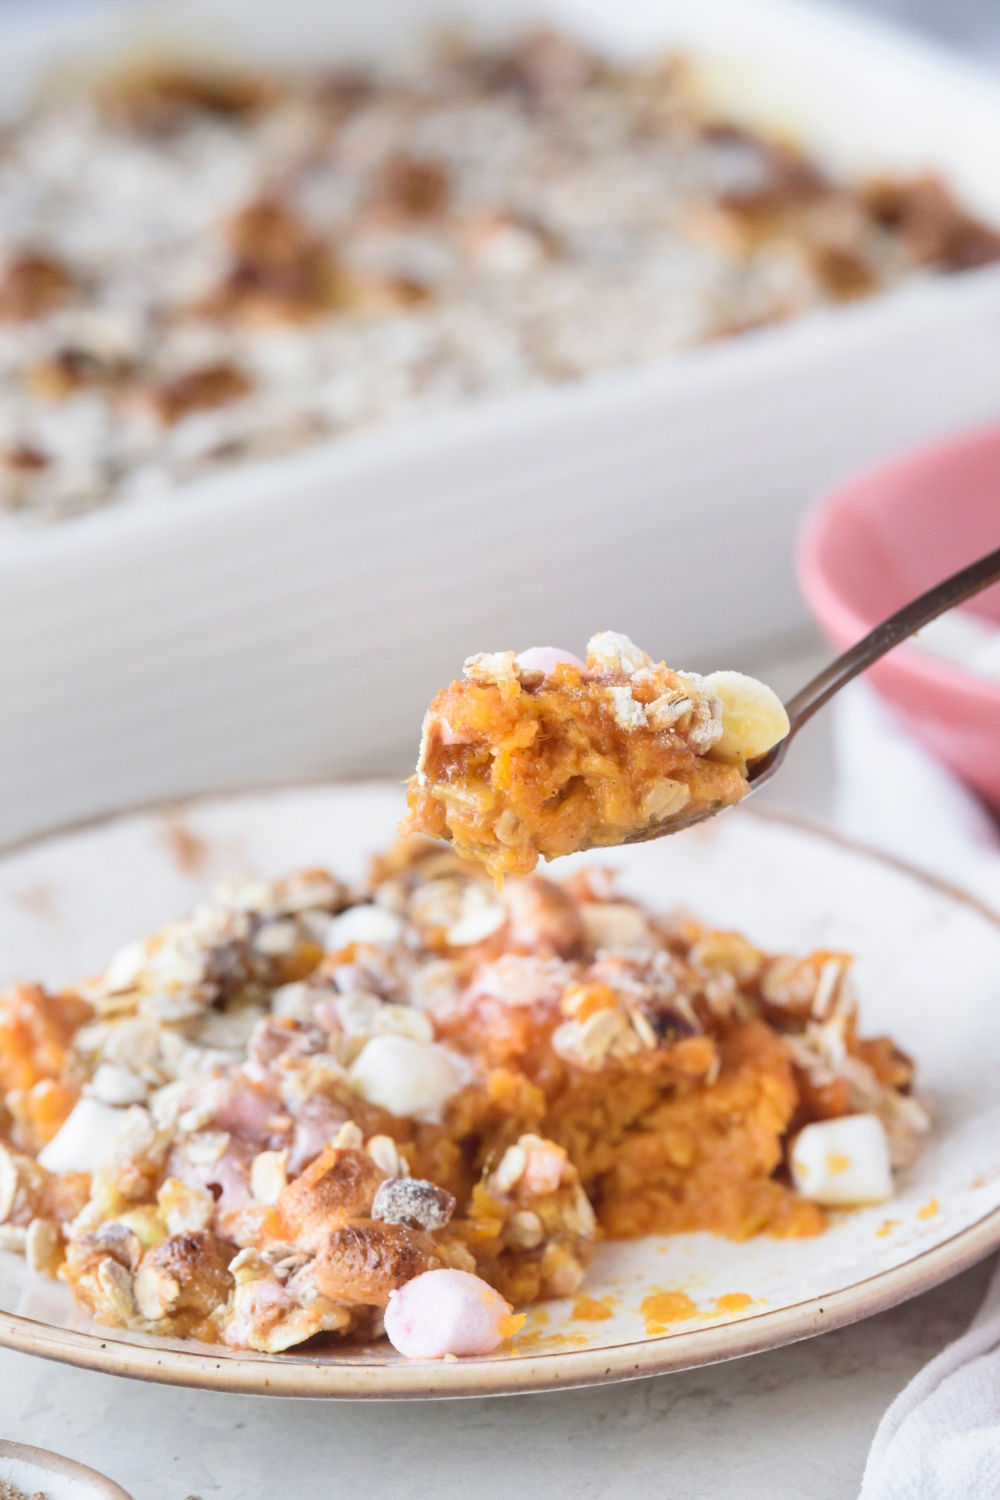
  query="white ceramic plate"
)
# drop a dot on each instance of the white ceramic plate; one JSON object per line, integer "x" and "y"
{"x": 35, "y": 1470}
{"x": 928, "y": 972}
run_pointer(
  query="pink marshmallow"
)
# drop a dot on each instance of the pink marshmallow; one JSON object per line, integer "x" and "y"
{"x": 546, "y": 659}
{"x": 447, "y": 1312}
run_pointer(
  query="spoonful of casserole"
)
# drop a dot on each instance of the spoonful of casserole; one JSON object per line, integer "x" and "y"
{"x": 537, "y": 753}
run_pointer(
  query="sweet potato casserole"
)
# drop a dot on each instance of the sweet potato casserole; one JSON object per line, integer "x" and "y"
{"x": 540, "y": 753}
{"x": 311, "y": 1114}
{"x": 201, "y": 265}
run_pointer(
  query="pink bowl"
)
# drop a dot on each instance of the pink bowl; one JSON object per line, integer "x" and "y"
{"x": 885, "y": 536}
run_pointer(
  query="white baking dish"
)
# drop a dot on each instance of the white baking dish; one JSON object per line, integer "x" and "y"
{"x": 292, "y": 618}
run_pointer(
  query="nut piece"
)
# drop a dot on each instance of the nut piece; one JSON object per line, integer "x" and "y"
{"x": 511, "y": 1169}
{"x": 411, "y": 188}
{"x": 43, "y": 1247}
{"x": 22, "y": 1186}
{"x": 157, "y": 99}
{"x": 525, "y": 1230}
{"x": 664, "y": 800}
{"x": 281, "y": 271}
{"x": 156, "y": 1292}
{"x": 111, "y": 1239}
{"x": 116, "y": 1300}
{"x": 199, "y": 390}
{"x": 269, "y": 1176}
{"x": 413, "y": 1201}
{"x": 385, "y": 1154}
{"x": 24, "y": 459}
{"x": 198, "y": 1264}
{"x": 32, "y": 286}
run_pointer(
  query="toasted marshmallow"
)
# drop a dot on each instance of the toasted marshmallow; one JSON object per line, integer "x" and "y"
{"x": 408, "y": 1078}
{"x": 753, "y": 716}
{"x": 842, "y": 1162}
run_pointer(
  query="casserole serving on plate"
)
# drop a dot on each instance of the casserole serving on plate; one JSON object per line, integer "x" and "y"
{"x": 687, "y": 1154}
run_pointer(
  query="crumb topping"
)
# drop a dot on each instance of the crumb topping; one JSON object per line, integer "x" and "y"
{"x": 354, "y": 247}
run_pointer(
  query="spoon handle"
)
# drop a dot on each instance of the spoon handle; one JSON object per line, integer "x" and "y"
{"x": 971, "y": 580}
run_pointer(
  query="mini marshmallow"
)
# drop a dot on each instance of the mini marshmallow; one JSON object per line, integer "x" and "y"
{"x": 408, "y": 1078}
{"x": 448, "y": 1312}
{"x": 753, "y": 716}
{"x": 84, "y": 1139}
{"x": 842, "y": 1162}
{"x": 363, "y": 924}
{"x": 546, "y": 659}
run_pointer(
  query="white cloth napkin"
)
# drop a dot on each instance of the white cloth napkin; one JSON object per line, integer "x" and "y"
{"x": 940, "y": 1439}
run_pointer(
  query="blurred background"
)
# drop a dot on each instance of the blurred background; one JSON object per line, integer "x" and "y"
{"x": 293, "y": 619}
{"x": 972, "y": 24}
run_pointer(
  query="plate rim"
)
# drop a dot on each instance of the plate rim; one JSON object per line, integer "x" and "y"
{"x": 57, "y": 1463}
{"x": 296, "y": 1376}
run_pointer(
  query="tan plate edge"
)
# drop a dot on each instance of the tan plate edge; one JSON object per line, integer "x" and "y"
{"x": 871, "y": 851}
{"x": 295, "y": 1376}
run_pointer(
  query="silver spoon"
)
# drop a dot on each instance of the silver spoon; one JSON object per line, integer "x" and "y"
{"x": 904, "y": 623}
